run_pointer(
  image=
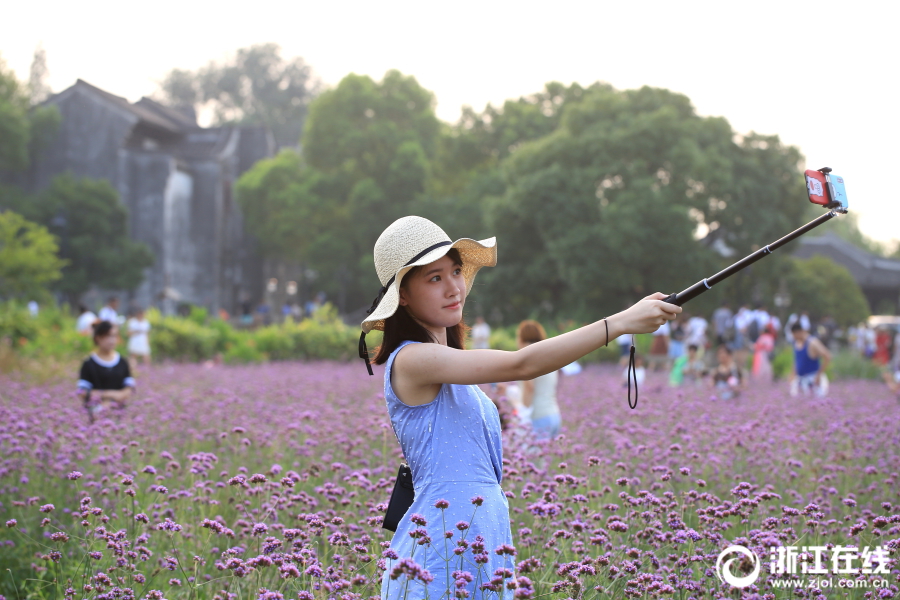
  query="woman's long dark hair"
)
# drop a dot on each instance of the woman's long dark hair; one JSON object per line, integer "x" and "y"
{"x": 400, "y": 326}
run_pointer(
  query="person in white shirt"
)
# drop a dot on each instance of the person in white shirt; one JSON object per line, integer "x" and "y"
{"x": 640, "y": 372}
{"x": 624, "y": 342}
{"x": 86, "y": 319}
{"x": 139, "y": 338}
{"x": 109, "y": 312}
{"x": 481, "y": 334}
{"x": 538, "y": 396}
{"x": 762, "y": 318}
{"x": 696, "y": 332}
{"x": 33, "y": 308}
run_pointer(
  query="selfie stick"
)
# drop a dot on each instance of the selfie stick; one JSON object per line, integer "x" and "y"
{"x": 706, "y": 284}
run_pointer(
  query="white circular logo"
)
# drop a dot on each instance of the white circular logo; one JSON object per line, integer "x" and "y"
{"x": 723, "y": 570}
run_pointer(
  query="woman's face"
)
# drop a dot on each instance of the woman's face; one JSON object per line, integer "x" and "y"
{"x": 435, "y": 295}
{"x": 109, "y": 341}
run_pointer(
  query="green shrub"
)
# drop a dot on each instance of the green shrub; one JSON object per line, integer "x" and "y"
{"x": 181, "y": 339}
{"x": 324, "y": 336}
{"x": 16, "y": 323}
{"x": 783, "y": 362}
{"x": 277, "y": 341}
{"x": 243, "y": 350}
{"x": 847, "y": 364}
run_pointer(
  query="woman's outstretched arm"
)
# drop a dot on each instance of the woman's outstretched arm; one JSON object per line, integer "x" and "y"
{"x": 429, "y": 364}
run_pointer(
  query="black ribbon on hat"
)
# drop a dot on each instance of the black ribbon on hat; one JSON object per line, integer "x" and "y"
{"x": 363, "y": 350}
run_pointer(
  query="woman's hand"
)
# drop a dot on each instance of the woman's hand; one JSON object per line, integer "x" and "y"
{"x": 647, "y": 315}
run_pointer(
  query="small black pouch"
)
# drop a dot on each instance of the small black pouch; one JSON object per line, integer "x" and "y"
{"x": 401, "y": 498}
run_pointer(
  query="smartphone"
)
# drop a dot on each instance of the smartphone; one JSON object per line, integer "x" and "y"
{"x": 827, "y": 189}
{"x": 838, "y": 192}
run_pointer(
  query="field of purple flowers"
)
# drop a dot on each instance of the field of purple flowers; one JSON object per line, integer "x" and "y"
{"x": 270, "y": 482}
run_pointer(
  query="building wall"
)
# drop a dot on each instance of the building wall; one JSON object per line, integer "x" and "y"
{"x": 88, "y": 142}
{"x": 179, "y": 195}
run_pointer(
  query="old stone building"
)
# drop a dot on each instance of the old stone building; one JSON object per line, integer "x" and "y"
{"x": 177, "y": 180}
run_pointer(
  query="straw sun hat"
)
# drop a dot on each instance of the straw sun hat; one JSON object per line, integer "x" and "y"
{"x": 410, "y": 242}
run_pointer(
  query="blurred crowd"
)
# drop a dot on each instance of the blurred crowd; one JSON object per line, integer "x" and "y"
{"x": 733, "y": 349}
{"x": 728, "y": 351}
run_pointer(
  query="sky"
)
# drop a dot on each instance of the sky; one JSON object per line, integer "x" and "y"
{"x": 822, "y": 75}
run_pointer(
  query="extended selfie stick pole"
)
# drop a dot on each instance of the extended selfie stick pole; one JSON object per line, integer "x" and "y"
{"x": 836, "y": 202}
{"x": 706, "y": 284}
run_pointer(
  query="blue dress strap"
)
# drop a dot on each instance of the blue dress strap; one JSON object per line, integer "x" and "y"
{"x": 388, "y": 389}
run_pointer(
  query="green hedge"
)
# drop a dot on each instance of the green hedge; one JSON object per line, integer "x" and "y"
{"x": 199, "y": 337}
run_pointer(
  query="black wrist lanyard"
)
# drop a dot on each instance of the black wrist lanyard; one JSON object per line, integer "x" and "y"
{"x": 632, "y": 372}
{"x": 631, "y": 369}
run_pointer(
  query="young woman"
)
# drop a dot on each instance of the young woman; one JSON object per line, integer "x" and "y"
{"x": 447, "y": 427}
{"x": 139, "y": 338}
{"x": 105, "y": 378}
{"x": 539, "y": 395}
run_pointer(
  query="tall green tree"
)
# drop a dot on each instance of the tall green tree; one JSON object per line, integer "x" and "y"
{"x": 826, "y": 288}
{"x": 23, "y": 128}
{"x": 282, "y": 206}
{"x": 368, "y": 149}
{"x": 606, "y": 208}
{"x": 255, "y": 86}
{"x": 28, "y": 258}
{"x": 91, "y": 223}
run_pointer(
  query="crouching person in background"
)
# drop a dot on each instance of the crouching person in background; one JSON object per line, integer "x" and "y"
{"x": 811, "y": 358}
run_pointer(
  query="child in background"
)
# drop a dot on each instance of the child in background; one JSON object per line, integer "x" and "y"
{"x": 728, "y": 378}
{"x": 687, "y": 368}
{"x": 105, "y": 373}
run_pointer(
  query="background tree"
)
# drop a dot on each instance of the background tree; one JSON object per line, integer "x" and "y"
{"x": 92, "y": 226}
{"x": 284, "y": 208}
{"x": 598, "y": 196}
{"x": 367, "y": 158}
{"x": 23, "y": 129}
{"x": 28, "y": 258}
{"x": 15, "y": 128}
{"x": 255, "y": 86}
{"x": 606, "y": 208}
{"x": 826, "y": 288}
{"x": 38, "y": 85}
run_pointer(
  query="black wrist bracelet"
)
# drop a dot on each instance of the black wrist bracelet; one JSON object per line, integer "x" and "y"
{"x": 607, "y": 332}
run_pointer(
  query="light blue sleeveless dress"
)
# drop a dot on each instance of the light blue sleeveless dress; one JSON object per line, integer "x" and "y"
{"x": 454, "y": 449}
